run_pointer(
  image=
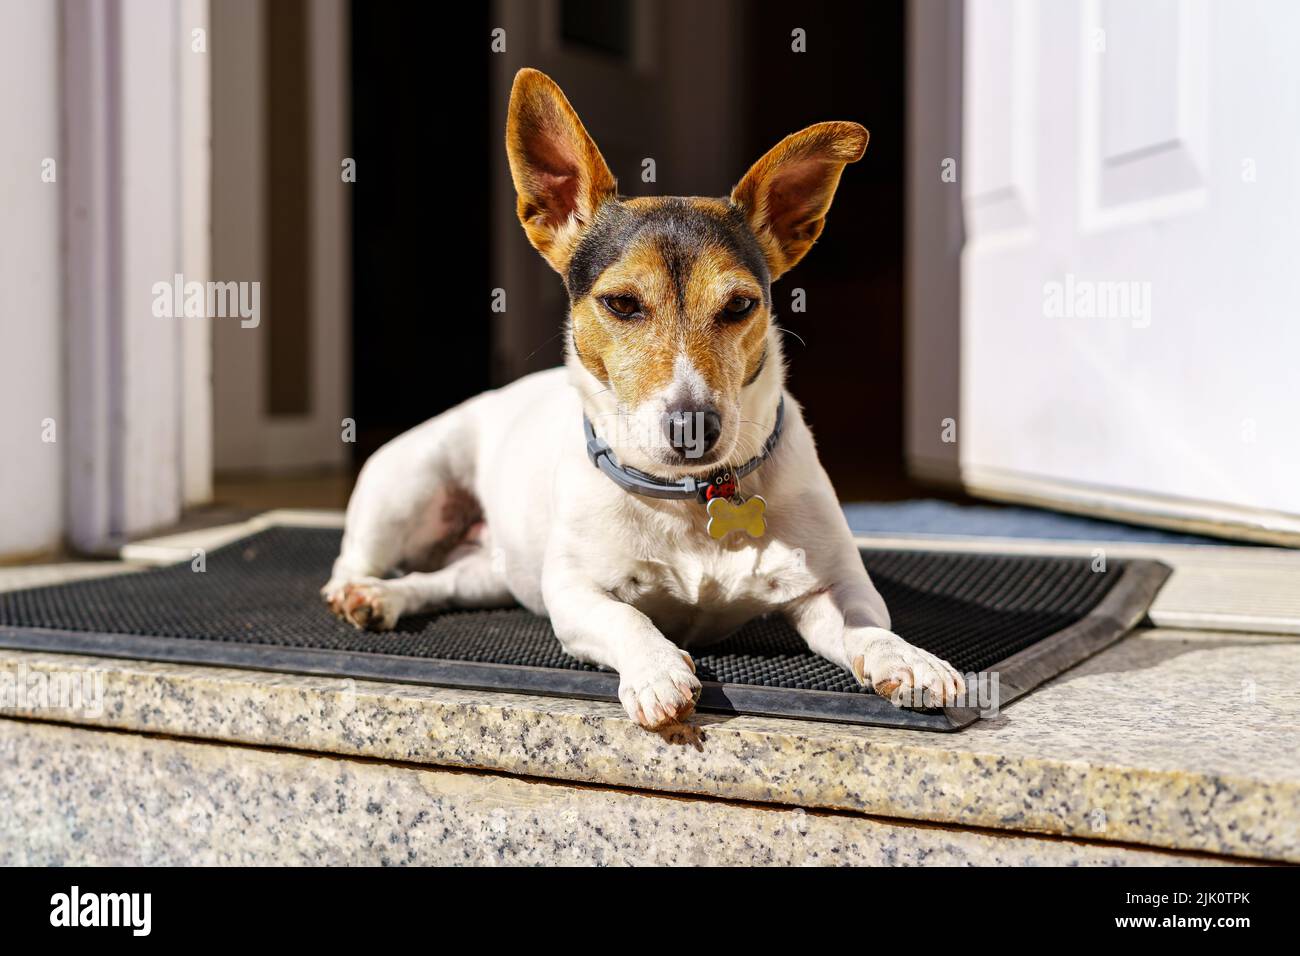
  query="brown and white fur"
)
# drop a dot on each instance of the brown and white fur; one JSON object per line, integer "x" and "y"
{"x": 496, "y": 502}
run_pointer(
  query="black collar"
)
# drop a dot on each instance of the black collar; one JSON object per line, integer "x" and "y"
{"x": 640, "y": 483}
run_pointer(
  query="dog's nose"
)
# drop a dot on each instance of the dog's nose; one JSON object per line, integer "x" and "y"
{"x": 692, "y": 431}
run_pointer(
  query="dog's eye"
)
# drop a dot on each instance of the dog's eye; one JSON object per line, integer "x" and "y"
{"x": 624, "y": 306}
{"x": 737, "y": 307}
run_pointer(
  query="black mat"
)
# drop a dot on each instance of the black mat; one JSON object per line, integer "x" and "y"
{"x": 256, "y": 605}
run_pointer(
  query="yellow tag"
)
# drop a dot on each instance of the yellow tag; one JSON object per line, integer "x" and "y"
{"x": 724, "y": 517}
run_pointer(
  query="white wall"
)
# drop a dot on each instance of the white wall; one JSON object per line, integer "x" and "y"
{"x": 30, "y": 469}
{"x": 115, "y": 96}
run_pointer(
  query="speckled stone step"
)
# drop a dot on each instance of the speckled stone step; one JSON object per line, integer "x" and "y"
{"x": 94, "y": 797}
{"x": 1180, "y": 740}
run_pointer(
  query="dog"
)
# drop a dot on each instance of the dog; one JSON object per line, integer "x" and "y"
{"x": 661, "y": 488}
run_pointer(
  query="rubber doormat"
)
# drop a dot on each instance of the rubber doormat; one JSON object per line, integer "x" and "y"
{"x": 1023, "y": 619}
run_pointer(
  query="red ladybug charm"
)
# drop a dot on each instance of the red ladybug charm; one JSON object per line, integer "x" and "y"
{"x": 724, "y": 486}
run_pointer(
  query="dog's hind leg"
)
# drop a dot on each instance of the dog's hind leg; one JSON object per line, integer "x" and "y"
{"x": 411, "y": 506}
{"x": 470, "y": 579}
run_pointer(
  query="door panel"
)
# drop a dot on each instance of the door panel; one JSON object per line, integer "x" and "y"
{"x": 997, "y": 194}
{"x": 1144, "y": 102}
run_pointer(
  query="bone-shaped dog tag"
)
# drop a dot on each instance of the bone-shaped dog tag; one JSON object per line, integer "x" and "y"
{"x": 725, "y": 517}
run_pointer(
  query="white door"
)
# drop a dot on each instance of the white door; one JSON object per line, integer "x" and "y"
{"x": 1130, "y": 291}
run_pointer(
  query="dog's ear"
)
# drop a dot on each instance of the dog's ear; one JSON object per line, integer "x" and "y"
{"x": 785, "y": 194}
{"x": 559, "y": 174}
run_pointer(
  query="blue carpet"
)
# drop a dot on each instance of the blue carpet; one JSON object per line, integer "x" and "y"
{"x": 927, "y": 516}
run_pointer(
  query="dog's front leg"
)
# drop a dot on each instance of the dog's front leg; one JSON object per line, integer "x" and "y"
{"x": 657, "y": 683}
{"x": 842, "y": 623}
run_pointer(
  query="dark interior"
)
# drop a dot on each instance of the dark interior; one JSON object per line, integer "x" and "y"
{"x": 422, "y": 329}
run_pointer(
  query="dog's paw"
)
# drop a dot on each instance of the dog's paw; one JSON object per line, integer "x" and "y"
{"x": 903, "y": 674}
{"x": 332, "y": 594}
{"x": 368, "y": 604}
{"x": 660, "y": 691}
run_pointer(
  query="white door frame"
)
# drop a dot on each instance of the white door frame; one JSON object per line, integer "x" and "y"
{"x": 247, "y": 437}
{"x": 934, "y": 237}
{"x": 135, "y": 131}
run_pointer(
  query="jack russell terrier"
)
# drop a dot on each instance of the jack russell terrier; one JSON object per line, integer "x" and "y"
{"x": 661, "y": 489}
